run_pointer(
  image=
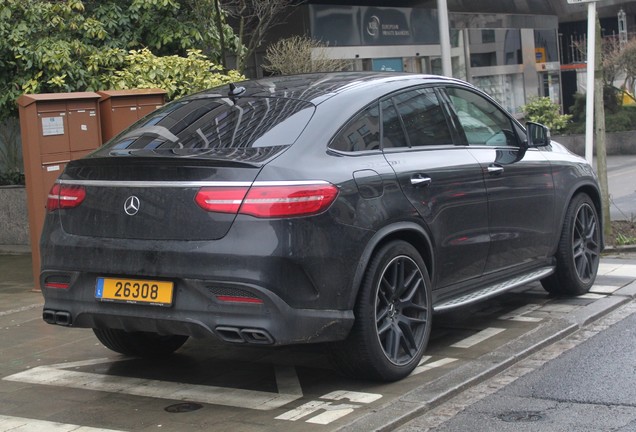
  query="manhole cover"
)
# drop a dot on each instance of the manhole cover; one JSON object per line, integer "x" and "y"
{"x": 521, "y": 416}
{"x": 183, "y": 407}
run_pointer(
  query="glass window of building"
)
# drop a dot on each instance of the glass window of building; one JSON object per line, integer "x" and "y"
{"x": 495, "y": 47}
{"x": 545, "y": 44}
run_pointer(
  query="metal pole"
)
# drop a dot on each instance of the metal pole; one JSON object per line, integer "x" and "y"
{"x": 444, "y": 38}
{"x": 589, "y": 96}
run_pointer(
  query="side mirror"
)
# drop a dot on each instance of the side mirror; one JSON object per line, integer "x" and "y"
{"x": 538, "y": 135}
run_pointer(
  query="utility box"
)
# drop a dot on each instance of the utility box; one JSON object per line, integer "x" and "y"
{"x": 121, "y": 108}
{"x": 56, "y": 128}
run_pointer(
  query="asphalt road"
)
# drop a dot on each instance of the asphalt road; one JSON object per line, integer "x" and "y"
{"x": 621, "y": 178}
{"x": 589, "y": 388}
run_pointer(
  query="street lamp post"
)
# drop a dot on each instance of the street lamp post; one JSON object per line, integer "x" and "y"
{"x": 444, "y": 37}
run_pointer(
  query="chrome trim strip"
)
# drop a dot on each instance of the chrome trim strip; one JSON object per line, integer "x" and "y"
{"x": 186, "y": 184}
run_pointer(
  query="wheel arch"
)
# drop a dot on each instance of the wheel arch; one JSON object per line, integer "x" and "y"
{"x": 410, "y": 232}
{"x": 592, "y": 191}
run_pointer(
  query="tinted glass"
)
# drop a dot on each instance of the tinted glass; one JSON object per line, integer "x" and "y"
{"x": 361, "y": 133}
{"x": 483, "y": 122}
{"x": 210, "y": 127}
{"x": 423, "y": 118}
{"x": 392, "y": 129}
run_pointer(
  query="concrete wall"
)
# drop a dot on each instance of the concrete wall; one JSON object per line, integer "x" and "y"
{"x": 618, "y": 143}
{"x": 14, "y": 224}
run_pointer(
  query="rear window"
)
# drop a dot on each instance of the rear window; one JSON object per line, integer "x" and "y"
{"x": 211, "y": 127}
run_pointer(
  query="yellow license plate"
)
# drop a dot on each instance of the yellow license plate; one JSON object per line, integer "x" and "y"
{"x": 158, "y": 293}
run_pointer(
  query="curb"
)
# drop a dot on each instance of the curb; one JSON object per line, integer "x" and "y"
{"x": 15, "y": 249}
{"x": 619, "y": 249}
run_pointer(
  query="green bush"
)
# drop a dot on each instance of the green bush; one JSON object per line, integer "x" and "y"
{"x": 11, "y": 178}
{"x": 178, "y": 76}
{"x": 543, "y": 110}
{"x": 10, "y": 152}
{"x": 618, "y": 118}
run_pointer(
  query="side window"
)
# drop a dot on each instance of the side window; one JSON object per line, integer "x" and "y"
{"x": 483, "y": 122}
{"x": 423, "y": 118}
{"x": 417, "y": 113}
{"x": 361, "y": 133}
{"x": 392, "y": 129}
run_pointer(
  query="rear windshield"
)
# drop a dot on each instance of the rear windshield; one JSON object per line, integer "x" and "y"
{"x": 211, "y": 127}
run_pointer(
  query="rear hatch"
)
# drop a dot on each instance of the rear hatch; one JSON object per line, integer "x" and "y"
{"x": 144, "y": 183}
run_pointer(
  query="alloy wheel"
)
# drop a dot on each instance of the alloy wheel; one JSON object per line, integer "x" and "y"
{"x": 585, "y": 243}
{"x": 401, "y": 310}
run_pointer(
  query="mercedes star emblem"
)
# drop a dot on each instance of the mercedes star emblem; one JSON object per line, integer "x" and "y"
{"x": 131, "y": 206}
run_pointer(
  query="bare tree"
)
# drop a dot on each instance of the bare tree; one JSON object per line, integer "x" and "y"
{"x": 628, "y": 64}
{"x": 610, "y": 57}
{"x": 300, "y": 54}
{"x": 252, "y": 19}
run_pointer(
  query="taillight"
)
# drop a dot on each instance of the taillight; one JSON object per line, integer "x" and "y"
{"x": 268, "y": 201}
{"x": 65, "y": 197}
{"x": 221, "y": 199}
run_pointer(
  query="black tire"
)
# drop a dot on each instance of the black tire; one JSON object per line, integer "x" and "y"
{"x": 392, "y": 317}
{"x": 139, "y": 344}
{"x": 579, "y": 251}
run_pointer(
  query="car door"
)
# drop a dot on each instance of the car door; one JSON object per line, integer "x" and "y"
{"x": 443, "y": 182}
{"x": 519, "y": 181}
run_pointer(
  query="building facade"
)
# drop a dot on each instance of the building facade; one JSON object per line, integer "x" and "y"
{"x": 512, "y": 50}
{"x": 512, "y": 57}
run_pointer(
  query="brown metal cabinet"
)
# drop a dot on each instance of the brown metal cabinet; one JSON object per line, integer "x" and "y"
{"x": 121, "y": 108}
{"x": 56, "y": 128}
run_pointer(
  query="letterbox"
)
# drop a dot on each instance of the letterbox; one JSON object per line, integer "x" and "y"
{"x": 121, "y": 108}
{"x": 56, "y": 128}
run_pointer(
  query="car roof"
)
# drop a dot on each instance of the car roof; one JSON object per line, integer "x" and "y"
{"x": 318, "y": 87}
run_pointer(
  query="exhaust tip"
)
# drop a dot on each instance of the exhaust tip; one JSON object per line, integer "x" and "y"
{"x": 257, "y": 336}
{"x": 230, "y": 334}
{"x": 63, "y": 318}
{"x": 48, "y": 316}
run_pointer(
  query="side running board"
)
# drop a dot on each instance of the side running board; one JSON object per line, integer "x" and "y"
{"x": 493, "y": 290}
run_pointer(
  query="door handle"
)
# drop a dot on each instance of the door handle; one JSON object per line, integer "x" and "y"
{"x": 419, "y": 180}
{"x": 495, "y": 170}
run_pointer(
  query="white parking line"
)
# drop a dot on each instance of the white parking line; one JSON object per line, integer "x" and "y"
{"x": 604, "y": 289}
{"x": 611, "y": 269}
{"x": 425, "y": 367}
{"x": 58, "y": 375}
{"x": 591, "y": 296}
{"x": 478, "y": 338}
{"x": 330, "y": 411}
{"x": 21, "y": 424}
{"x": 21, "y": 309}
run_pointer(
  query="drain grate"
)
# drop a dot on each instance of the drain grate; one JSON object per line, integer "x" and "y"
{"x": 183, "y": 407}
{"x": 521, "y": 416}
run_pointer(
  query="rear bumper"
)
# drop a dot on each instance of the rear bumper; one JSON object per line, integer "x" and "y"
{"x": 196, "y": 311}
{"x": 301, "y": 271}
